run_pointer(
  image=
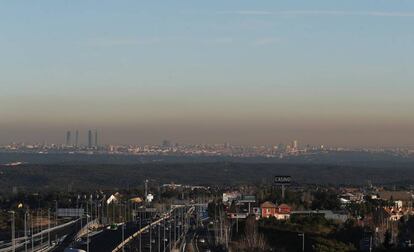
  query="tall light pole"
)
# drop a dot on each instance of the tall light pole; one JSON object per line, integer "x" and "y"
{"x": 87, "y": 228}
{"x": 25, "y": 231}
{"x": 32, "y": 232}
{"x": 175, "y": 227}
{"x": 81, "y": 215}
{"x": 150, "y": 229}
{"x": 123, "y": 228}
{"x": 140, "y": 235}
{"x": 48, "y": 227}
{"x": 163, "y": 235}
{"x": 169, "y": 238}
{"x": 123, "y": 236}
{"x": 159, "y": 237}
{"x": 178, "y": 218}
{"x": 303, "y": 241}
{"x": 370, "y": 243}
{"x": 13, "y": 233}
{"x": 39, "y": 222}
{"x": 56, "y": 212}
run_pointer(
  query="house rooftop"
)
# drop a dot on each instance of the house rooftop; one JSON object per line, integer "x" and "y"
{"x": 396, "y": 195}
{"x": 268, "y": 204}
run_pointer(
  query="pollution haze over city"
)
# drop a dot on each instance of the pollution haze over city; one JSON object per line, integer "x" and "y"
{"x": 323, "y": 72}
{"x": 201, "y": 126}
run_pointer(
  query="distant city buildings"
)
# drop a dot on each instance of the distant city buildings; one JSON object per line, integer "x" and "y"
{"x": 166, "y": 144}
{"x": 280, "y": 151}
{"x": 76, "y": 138}
{"x": 295, "y": 145}
{"x": 68, "y": 139}
{"x": 96, "y": 138}
{"x": 90, "y": 139}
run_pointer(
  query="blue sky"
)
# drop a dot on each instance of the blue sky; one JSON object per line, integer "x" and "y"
{"x": 333, "y": 72}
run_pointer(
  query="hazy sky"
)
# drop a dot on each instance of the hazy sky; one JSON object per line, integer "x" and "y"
{"x": 249, "y": 72}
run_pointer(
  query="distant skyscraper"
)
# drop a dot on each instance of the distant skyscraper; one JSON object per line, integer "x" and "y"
{"x": 295, "y": 144}
{"x": 96, "y": 138}
{"x": 90, "y": 139}
{"x": 166, "y": 144}
{"x": 76, "y": 138}
{"x": 68, "y": 138}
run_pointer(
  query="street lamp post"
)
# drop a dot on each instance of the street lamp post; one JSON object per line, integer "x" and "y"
{"x": 123, "y": 236}
{"x": 303, "y": 241}
{"x": 159, "y": 237}
{"x": 25, "y": 231}
{"x": 39, "y": 222}
{"x": 32, "y": 232}
{"x": 13, "y": 231}
{"x": 140, "y": 236}
{"x": 48, "y": 227}
{"x": 56, "y": 212}
{"x": 163, "y": 235}
{"x": 150, "y": 232}
{"x": 87, "y": 228}
{"x": 169, "y": 237}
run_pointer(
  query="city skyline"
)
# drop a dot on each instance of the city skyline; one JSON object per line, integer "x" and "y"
{"x": 89, "y": 139}
{"x": 336, "y": 73}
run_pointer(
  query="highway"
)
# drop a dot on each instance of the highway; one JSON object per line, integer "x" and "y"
{"x": 155, "y": 236}
{"x": 160, "y": 233}
{"x": 49, "y": 238}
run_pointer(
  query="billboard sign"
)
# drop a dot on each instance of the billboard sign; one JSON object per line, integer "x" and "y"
{"x": 283, "y": 180}
{"x": 70, "y": 212}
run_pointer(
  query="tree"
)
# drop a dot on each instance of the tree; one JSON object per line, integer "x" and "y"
{"x": 253, "y": 240}
{"x": 325, "y": 200}
{"x": 387, "y": 239}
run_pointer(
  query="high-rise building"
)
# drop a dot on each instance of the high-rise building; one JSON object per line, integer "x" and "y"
{"x": 96, "y": 138}
{"x": 166, "y": 143}
{"x": 77, "y": 138}
{"x": 68, "y": 138}
{"x": 90, "y": 139}
{"x": 295, "y": 144}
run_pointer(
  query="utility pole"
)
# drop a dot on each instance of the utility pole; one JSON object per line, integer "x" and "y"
{"x": 32, "y": 232}
{"x": 123, "y": 228}
{"x": 25, "y": 231}
{"x": 370, "y": 243}
{"x": 178, "y": 222}
{"x": 150, "y": 234}
{"x": 48, "y": 227}
{"x": 81, "y": 219}
{"x": 159, "y": 237}
{"x": 140, "y": 235}
{"x": 123, "y": 236}
{"x": 169, "y": 240}
{"x": 39, "y": 221}
{"x": 163, "y": 236}
{"x": 183, "y": 222}
{"x": 146, "y": 188}
{"x": 175, "y": 227}
{"x": 13, "y": 233}
{"x": 303, "y": 241}
{"x": 56, "y": 212}
{"x": 87, "y": 228}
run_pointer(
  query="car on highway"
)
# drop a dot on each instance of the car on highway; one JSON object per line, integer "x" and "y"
{"x": 73, "y": 250}
{"x": 113, "y": 227}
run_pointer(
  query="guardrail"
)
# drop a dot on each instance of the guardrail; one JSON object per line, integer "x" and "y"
{"x": 85, "y": 229}
{"x": 25, "y": 239}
